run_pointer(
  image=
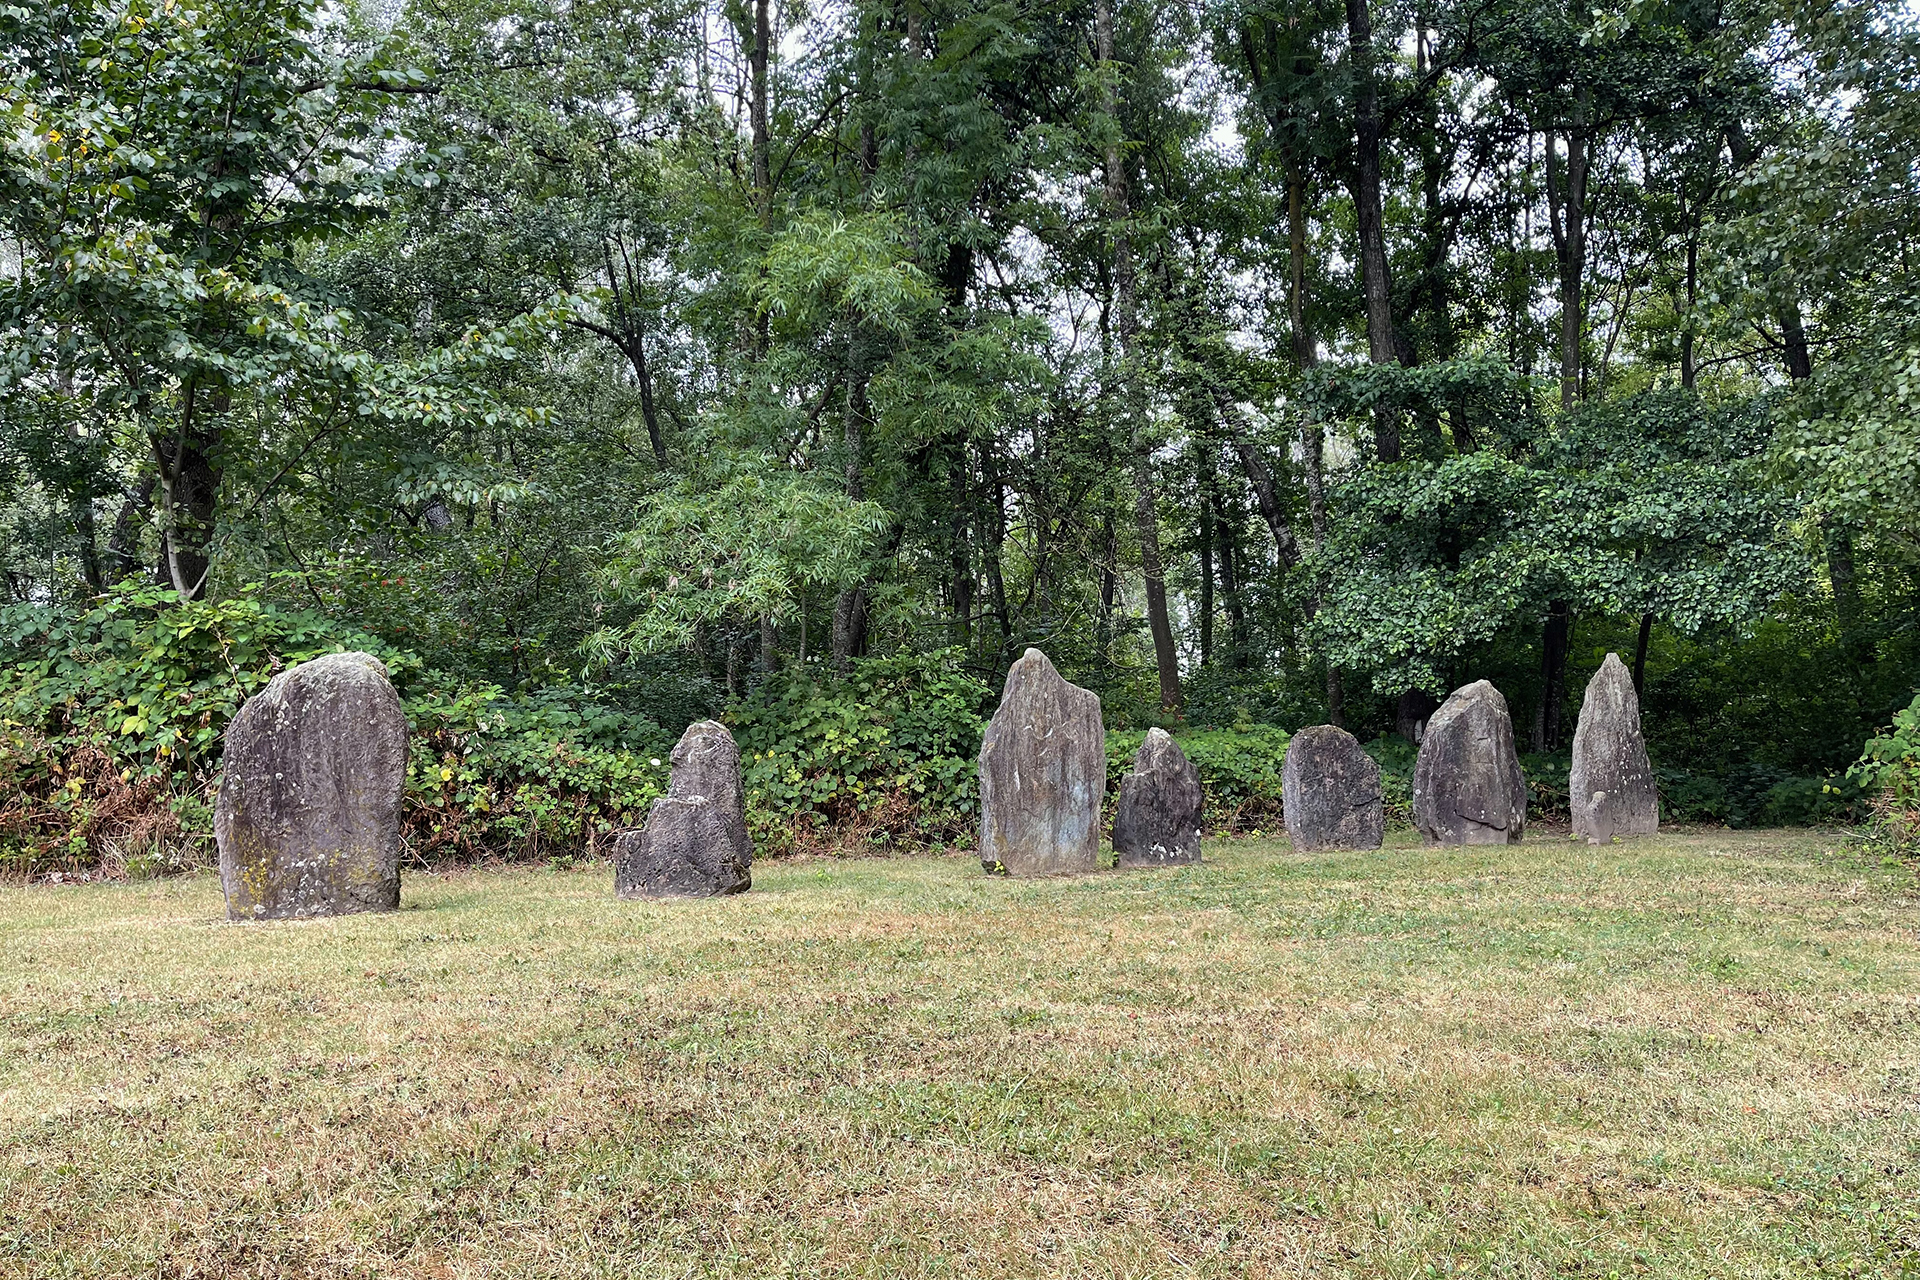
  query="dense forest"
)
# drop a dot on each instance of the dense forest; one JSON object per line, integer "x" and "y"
{"x": 606, "y": 365}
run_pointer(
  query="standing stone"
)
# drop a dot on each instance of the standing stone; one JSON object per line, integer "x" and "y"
{"x": 1330, "y": 791}
{"x": 1157, "y": 823}
{"x": 1467, "y": 784}
{"x": 1612, "y": 788}
{"x": 308, "y": 814}
{"x": 695, "y": 843}
{"x": 1043, "y": 775}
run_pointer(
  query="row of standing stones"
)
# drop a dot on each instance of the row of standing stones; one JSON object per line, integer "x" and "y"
{"x": 308, "y": 814}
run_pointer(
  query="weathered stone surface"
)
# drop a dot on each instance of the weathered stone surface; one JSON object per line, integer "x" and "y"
{"x": 1330, "y": 791}
{"x": 1157, "y": 822}
{"x": 1467, "y": 784}
{"x": 695, "y": 843}
{"x": 1612, "y": 787}
{"x": 1043, "y": 775}
{"x": 308, "y": 814}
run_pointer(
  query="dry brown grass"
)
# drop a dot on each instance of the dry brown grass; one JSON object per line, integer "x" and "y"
{"x": 1690, "y": 1056}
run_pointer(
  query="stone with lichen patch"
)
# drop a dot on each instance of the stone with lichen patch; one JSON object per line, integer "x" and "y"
{"x": 695, "y": 843}
{"x": 1157, "y": 821}
{"x": 1611, "y": 787}
{"x": 1043, "y": 775}
{"x": 308, "y": 814}
{"x": 1467, "y": 784}
{"x": 1330, "y": 791}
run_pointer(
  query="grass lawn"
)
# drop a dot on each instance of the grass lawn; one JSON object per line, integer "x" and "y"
{"x": 1697, "y": 1055}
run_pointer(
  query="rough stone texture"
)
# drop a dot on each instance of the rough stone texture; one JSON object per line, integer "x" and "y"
{"x": 1330, "y": 791}
{"x": 1043, "y": 775}
{"x": 1612, "y": 788}
{"x": 695, "y": 843}
{"x": 1157, "y": 822}
{"x": 308, "y": 815}
{"x": 1467, "y": 784}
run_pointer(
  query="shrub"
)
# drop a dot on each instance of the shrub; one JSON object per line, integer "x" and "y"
{"x": 1888, "y": 776}
{"x": 1239, "y": 772}
{"x": 549, "y": 774}
{"x": 113, "y": 714}
{"x": 885, "y": 754}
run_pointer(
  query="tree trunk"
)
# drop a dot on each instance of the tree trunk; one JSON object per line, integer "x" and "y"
{"x": 1693, "y": 295}
{"x": 189, "y": 478}
{"x": 1549, "y": 714}
{"x": 1133, "y": 391}
{"x": 123, "y": 544}
{"x": 1411, "y": 711}
{"x": 757, "y": 111}
{"x": 1640, "y": 655}
{"x": 1371, "y": 218}
{"x": 1842, "y": 576}
{"x": 1229, "y": 561}
{"x": 850, "y": 609}
{"x": 1205, "y": 547}
{"x": 1109, "y": 588}
{"x": 1567, "y": 211}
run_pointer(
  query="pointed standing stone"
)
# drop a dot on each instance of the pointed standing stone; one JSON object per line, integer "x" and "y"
{"x": 1043, "y": 775}
{"x": 1467, "y": 784}
{"x": 1612, "y": 788}
{"x": 308, "y": 814}
{"x": 1157, "y": 822}
{"x": 695, "y": 843}
{"x": 1330, "y": 791}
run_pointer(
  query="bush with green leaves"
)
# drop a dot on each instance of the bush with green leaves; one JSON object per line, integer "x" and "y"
{"x": 1888, "y": 776}
{"x": 883, "y": 755}
{"x": 111, "y": 719}
{"x": 1239, "y": 770}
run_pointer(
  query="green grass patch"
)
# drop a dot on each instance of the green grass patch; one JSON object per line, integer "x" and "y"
{"x": 1697, "y": 1055}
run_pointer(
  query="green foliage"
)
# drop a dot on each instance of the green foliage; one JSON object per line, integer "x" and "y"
{"x": 1239, "y": 771}
{"x": 553, "y": 773}
{"x": 885, "y": 754}
{"x": 113, "y": 719}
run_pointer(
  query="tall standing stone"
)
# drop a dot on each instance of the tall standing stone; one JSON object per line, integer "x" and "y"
{"x": 1043, "y": 775}
{"x": 1157, "y": 822}
{"x": 1330, "y": 791}
{"x": 1467, "y": 784}
{"x": 695, "y": 843}
{"x": 308, "y": 814}
{"x": 1612, "y": 788}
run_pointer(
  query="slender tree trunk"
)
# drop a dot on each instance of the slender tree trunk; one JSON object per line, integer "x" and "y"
{"x": 1845, "y": 581}
{"x": 960, "y": 560}
{"x": 1229, "y": 560}
{"x": 1370, "y": 215}
{"x": 996, "y": 550}
{"x": 1640, "y": 655}
{"x": 1693, "y": 296}
{"x": 1146, "y": 507}
{"x": 1204, "y": 544}
{"x": 1306, "y": 355}
{"x": 1548, "y": 715}
{"x": 189, "y": 478}
{"x": 1797, "y": 357}
{"x": 1109, "y": 588}
{"x": 850, "y": 608}
{"x": 123, "y": 544}
{"x": 757, "y": 111}
{"x": 1567, "y": 210}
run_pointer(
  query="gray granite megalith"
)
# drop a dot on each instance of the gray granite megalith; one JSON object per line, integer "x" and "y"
{"x": 1330, "y": 791}
{"x": 308, "y": 814}
{"x": 1467, "y": 784}
{"x": 1157, "y": 821}
{"x": 695, "y": 843}
{"x": 1612, "y": 791}
{"x": 1043, "y": 775}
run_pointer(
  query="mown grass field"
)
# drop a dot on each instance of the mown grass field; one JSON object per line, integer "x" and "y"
{"x": 1697, "y": 1055}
